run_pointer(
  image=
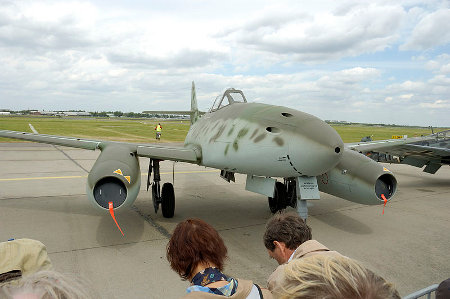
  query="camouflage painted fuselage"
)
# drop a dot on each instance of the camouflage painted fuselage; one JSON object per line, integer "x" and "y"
{"x": 265, "y": 140}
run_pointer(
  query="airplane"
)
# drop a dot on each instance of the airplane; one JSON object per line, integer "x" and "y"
{"x": 262, "y": 141}
{"x": 431, "y": 151}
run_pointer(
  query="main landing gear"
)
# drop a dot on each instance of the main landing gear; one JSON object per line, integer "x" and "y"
{"x": 294, "y": 192}
{"x": 284, "y": 195}
{"x": 166, "y": 196}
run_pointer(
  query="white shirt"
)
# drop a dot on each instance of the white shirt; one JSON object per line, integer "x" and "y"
{"x": 292, "y": 255}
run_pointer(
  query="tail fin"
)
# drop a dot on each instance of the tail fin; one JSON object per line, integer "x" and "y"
{"x": 195, "y": 114}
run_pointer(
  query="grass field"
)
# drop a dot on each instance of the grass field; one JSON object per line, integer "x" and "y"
{"x": 129, "y": 130}
{"x": 142, "y": 130}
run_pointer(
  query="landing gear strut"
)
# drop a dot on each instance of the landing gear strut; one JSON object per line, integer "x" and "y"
{"x": 167, "y": 197}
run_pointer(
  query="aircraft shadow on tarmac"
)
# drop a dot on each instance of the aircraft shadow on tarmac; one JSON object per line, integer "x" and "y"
{"x": 131, "y": 224}
{"x": 344, "y": 222}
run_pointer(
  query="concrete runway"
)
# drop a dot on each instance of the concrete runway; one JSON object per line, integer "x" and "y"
{"x": 42, "y": 196}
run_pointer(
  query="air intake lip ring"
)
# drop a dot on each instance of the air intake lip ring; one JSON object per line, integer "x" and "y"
{"x": 110, "y": 189}
{"x": 386, "y": 184}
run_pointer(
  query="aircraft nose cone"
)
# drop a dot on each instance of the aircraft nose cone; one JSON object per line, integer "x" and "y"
{"x": 317, "y": 148}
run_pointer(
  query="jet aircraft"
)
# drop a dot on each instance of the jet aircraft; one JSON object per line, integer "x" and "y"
{"x": 431, "y": 151}
{"x": 262, "y": 141}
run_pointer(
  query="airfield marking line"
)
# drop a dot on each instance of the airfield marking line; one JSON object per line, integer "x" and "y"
{"x": 33, "y": 129}
{"x": 70, "y": 158}
{"x": 85, "y": 176}
{"x": 240, "y": 227}
{"x": 152, "y": 222}
{"x": 105, "y": 246}
{"x": 60, "y": 150}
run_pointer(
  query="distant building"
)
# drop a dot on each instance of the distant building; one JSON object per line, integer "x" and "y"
{"x": 76, "y": 113}
{"x": 43, "y": 112}
{"x": 5, "y": 113}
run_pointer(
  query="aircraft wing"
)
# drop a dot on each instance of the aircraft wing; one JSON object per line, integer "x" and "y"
{"x": 176, "y": 112}
{"x": 160, "y": 152}
{"x": 432, "y": 150}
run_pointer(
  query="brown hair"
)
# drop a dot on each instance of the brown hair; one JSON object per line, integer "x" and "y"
{"x": 288, "y": 228}
{"x": 325, "y": 276}
{"x": 193, "y": 242}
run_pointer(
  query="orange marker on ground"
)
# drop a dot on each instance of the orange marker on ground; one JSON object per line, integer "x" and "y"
{"x": 385, "y": 202}
{"x": 111, "y": 211}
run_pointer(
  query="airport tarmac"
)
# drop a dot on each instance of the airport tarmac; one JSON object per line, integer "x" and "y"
{"x": 42, "y": 196}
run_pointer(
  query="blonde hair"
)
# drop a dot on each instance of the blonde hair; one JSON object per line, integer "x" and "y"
{"x": 324, "y": 276}
{"x": 49, "y": 285}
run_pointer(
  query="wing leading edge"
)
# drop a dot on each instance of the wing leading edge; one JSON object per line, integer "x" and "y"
{"x": 183, "y": 154}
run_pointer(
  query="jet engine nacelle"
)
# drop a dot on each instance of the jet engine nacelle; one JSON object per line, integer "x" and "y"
{"x": 359, "y": 179}
{"x": 115, "y": 177}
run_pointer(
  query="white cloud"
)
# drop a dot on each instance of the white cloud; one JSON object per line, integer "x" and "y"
{"x": 313, "y": 56}
{"x": 406, "y": 96}
{"x": 324, "y": 36}
{"x": 34, "y": 26}
{"x": 445, "y": 69}
{"x": 432, "y": 30}
{"x": 439, "y": 104}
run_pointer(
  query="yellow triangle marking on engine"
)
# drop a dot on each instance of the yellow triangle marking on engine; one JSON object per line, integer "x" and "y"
{"x": 118, "y": 171}
{"x": 128, "y": 178}
{"x": 385, "y": 169}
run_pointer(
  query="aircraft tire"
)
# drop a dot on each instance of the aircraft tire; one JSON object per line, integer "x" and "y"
{"x": 278, "y": 201}
{"x": 168, "y": 200}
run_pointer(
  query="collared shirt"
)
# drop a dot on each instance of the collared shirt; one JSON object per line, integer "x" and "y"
{"x": 292, "y": 255}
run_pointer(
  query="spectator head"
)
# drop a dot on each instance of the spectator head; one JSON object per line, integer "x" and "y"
{"x": 284, "y": 233}
{"x": 22, "y": 257}
{"x": 324, "y": 276}
{"x": 443, "y": 290}
{"x": 194, "y": 242}
{"x": 48, "y": 285}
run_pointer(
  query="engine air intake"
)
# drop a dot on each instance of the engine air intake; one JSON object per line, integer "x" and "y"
{"x": 110, "y": 189}
{"x": 385, "y": 184}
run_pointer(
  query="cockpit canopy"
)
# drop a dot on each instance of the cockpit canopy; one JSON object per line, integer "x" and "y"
{"x": 230, "y": 96}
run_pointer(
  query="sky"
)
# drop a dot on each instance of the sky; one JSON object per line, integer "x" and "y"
{"x": 358, "y": 61}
